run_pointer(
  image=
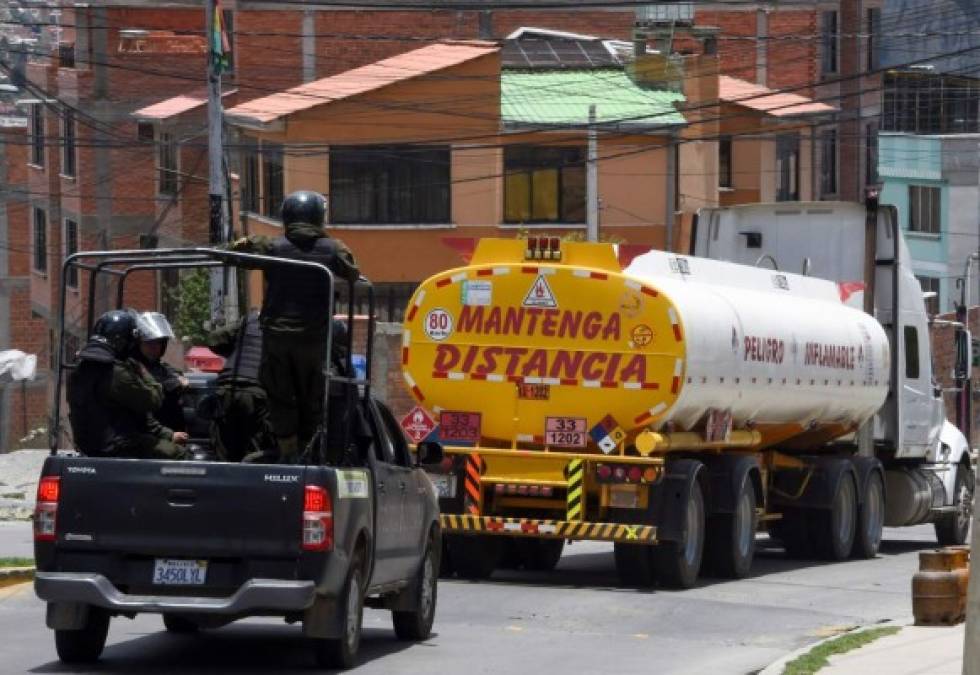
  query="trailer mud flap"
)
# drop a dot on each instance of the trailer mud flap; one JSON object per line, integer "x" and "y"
{"x": 548, "y": 529}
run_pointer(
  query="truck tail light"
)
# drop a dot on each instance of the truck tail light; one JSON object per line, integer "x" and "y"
{"x": 46, "y": 509}
{"x": 317, "y": 519}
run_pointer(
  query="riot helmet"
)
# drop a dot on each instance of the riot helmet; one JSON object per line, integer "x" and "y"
{"x": 117, "y": 329}
{"x": 153, "y": 326}
{"x": 304, "y": 207}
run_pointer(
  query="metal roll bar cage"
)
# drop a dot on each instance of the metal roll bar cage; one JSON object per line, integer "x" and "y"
{"x": 101, "y": 263}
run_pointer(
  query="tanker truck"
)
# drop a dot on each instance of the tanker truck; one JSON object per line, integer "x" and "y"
{"x": 679, "y": 404}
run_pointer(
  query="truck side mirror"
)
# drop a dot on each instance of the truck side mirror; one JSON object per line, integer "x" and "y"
{"x": 429, "y": 452}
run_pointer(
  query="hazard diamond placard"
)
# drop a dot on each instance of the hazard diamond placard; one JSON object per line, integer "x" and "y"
{"x": 418, "y": 424}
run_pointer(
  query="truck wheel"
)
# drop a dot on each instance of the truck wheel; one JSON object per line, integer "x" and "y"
{"x": 84, "y": 645}
{"x": 871, "y": 519}
{"x": 341, "y": 653}
{"x": 417, "y": 624}
{"x": 731, "y": 536}
{"x": 540, "y": 555}
{"x": 475, "y": 558}
{"x": 952, "y": 529}
{"x": 678, "y": 563}
{"x": 179, "y": 624}
{"x": 634, "y": 564}
{"x": 833, "y": 529}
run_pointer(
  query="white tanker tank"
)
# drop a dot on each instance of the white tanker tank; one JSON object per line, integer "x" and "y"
{"x": 673, "y": 343}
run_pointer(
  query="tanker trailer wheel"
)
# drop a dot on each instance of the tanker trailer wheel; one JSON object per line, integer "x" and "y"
{"x": 539, "y": 555}
{"x": 871, "y": 519}
{"x": 833, "y": 529}
{"x": 952, "y": 529}
{"x": 474, "y": 557}
{"x": 792, "y": 531}
{"x": 678, "y": 563}
{"x": 731, "y": 536}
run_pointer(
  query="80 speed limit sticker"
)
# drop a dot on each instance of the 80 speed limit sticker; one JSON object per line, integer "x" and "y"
{"x": 565, "y": 432}
{"x": 438, "y": 324}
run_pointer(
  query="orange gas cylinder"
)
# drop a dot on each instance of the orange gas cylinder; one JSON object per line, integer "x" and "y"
{"x": 939, "y": 587}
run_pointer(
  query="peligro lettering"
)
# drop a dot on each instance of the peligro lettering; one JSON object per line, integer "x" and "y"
{"x": 525, "y": 362}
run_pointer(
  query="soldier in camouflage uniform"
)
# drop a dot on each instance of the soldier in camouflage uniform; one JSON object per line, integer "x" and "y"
{"x": 295, "y": 324}
{"x": 112, "y": 397}
{"x": 241, "y": 429}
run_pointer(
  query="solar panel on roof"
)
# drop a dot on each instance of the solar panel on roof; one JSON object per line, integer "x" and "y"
{"x": 557, "y": 53}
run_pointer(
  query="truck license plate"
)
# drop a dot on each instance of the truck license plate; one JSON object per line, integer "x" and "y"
{"x": 179, "y": 572}
{"x": 445, "y": 485}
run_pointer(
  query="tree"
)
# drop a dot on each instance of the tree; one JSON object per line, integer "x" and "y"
{"x": 192, "y": 298}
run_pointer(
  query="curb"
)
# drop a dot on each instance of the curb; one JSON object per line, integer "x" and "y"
{"x": 777, "y": 667}
{"x": 15, "y": 575}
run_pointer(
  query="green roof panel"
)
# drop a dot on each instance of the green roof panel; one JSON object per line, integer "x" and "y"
{"x": 562, "y": 98}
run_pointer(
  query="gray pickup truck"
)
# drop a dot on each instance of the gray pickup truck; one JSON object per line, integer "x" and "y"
{"x": 205, "y": 543}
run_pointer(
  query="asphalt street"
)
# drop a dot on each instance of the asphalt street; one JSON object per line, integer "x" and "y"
{"x": 574, "y": 620}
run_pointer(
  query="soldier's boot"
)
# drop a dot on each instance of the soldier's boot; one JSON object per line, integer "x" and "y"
{"x": 288, "y": 449}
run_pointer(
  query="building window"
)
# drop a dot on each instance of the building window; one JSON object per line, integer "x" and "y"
{"x": 930, "y": 285}
{"x": 389, "y": 185}
{"x": 873, "y": 28}
{"x": 68, "y": 138}
{"x": 390, "y": 300}
{"x": 911, "y": 353}
{"x": 40, "y": 241}
{"x": 272, "y": 180}
{"x": 167, "y": 173}
{"x": 925, "y": 209}
{"x": 544, "y": 184}
{"x": 725, "y": 162}
{"x": 828, "y": 42}
{"x": 828, "y": 163}
{"x": 870, "y": 154}
{"x": 929, "y": 103}
{"x": 788, "y": 168}
{"x": 37, "y": 134}
{"x": 250, "y": 179}
{"x": 71, "y": 247}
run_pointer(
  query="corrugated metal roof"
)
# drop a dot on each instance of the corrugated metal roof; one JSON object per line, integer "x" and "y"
{"x": 763, "y": 99}
{"x": 560, "y": 98}
{"x": 428, "y": 59}
{"x": 176, "y": 105}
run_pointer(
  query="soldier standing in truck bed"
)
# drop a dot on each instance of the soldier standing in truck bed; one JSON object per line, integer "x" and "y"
{"x": 295, "y": 320}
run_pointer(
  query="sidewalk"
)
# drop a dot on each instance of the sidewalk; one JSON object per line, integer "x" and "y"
{"x": 913, "y": 650}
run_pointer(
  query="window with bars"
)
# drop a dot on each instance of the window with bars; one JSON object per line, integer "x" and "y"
{"x": 272, "y": 180}
{"x": 389, "y": 185}
{"x": 828, "y": 163}
{"x": 40, "y": 241}
{"x": 925, "y": 209}
{"x": 69, "y": 153}
{"x": 390, "y": 300}
{"x": 725, "y": 162}
{"x": 37, "y": 134}
{"x": 828, "y": 43}
{"x": 167, "y": 169}
{"x": 930, "y": 103}
{"x": 788, "y": 168}
{"x": 250, "y": 179}
{"x": 544, "y": 184}
{"x": 71, "y": 247}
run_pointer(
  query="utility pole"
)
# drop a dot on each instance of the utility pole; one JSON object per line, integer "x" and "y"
{"x": 592, "y": 181}
{"x": 224, "y": 289}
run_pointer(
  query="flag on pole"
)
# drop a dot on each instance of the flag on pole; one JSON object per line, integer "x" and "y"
{"x": 220, "y": 48}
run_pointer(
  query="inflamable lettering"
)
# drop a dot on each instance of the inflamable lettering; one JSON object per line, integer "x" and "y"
{"x": 841, "y": 357}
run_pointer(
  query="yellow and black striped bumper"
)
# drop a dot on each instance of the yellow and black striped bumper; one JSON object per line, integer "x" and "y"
{"x": 548, "y": 529}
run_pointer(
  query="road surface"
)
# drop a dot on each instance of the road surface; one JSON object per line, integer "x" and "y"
{"x": 575, "y": 620}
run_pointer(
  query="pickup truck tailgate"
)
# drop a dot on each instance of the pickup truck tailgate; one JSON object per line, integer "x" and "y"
{"x": 192, "y": 509}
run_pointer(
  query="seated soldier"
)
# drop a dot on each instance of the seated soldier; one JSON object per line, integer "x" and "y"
{"x": 154, "y": 334}
{"x": 112, "y": 397}
{"x": 241, "y": 429}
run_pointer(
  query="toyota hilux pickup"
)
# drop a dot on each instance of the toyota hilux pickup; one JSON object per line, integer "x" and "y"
{"x": 204, "y": 543}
